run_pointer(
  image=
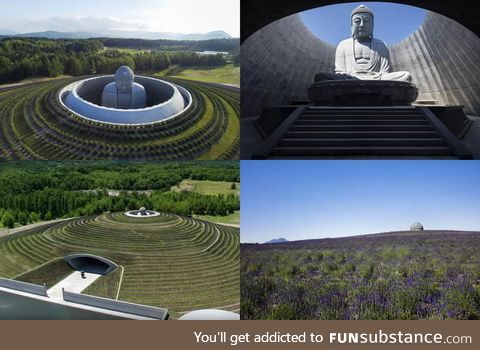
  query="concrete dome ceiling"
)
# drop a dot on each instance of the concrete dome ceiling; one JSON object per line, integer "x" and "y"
{"x": 257, "y": 14}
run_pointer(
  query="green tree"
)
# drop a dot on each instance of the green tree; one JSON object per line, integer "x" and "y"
{"x": 6, "y": 69}
{"x": 8, "y": 220}
{"x": 23, "y": 69}
{"x": 34, "y": 217}
{"x": 233, "y": 186}
{"x": 55, "y": 68}
{"x": 22, "y": 218}
{"x": 73, "y": 66}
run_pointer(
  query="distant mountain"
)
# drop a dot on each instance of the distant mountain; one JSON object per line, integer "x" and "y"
{"x": 51, "y": 34}
{"x": 7, "y": 32}
{"x": 277, "y": 240}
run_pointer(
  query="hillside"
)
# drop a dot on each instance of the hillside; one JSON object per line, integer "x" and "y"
{"x": 168, "y": 261}
{"x": 35, "y": 125}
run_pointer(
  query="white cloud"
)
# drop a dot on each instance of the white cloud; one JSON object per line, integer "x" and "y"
{"x": 194, "y": 16}
{"x": 75, "y": 24}
{"x": 183, "y": 16}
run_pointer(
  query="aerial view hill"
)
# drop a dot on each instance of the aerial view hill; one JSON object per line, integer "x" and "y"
{"x": 170, "y": 261}
{"x": 36, "y": 124}
{"x": 395, "y": 275}
{"x": 117, "y": 80}
{"x": 51, "y": 210}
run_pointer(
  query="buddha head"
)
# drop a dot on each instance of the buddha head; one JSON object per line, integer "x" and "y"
{"x": 124, "y": 79}
{"x": 362, "y": 22}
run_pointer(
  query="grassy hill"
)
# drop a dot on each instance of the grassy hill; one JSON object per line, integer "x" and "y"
{"x": 228, "y": 74}
{"x": 397, "y": 275}
{"x": 169, "y": 261}
{"x": 34, "y": 125}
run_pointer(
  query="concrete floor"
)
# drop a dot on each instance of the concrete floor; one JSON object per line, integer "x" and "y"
{"x": 73, "y": 283}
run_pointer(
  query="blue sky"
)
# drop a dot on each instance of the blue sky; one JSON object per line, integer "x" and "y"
{"x": 319, "y": 199}
{"x": 184, "y": 16}
{"x": 392, "y": 23}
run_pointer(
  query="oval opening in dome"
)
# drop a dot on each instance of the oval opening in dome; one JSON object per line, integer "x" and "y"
{"x": 392, "y": 22}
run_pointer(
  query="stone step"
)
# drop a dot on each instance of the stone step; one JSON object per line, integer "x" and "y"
{"x": 376, "y": 132}
{"x": 362, "y": 150}
{"x": 361, "y": 142}
{"x": 361, "y": 122}
{"x": 362, "y": 112}
{"x": 426, "y": 102}
{"x": 362, "y": 134}
{"x": 367, "y": 128}
{"x": 361, "y": 117}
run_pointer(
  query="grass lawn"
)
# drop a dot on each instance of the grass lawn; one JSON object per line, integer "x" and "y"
{"x": 232, "y": 219}
{"x": 124, "y": 49}
{"x": 207, "y": 187}
{"x": 229, "y": 74}
{"x": 107, "y": 286}
{"x": 227, "y": 140}
{"x": 50, "y": 273}
{"x": 35, "y": 80}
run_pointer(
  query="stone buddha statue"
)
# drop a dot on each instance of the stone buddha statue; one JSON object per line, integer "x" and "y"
{"x": 362, "y": 56}
{"x": 124, "y": 93}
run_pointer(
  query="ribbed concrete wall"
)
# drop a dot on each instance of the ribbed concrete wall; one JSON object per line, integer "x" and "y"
{"x": 444, "y": 60}
{"x": 280, "y": 60}
{"x": 157, "y": 91}
{"x": 279, "y": 63}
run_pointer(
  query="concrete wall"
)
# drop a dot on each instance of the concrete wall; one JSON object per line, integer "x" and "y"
{"x": 179, "y": 100}
{"x": 280, "y": 60}
{"x": 279, "y": 63}
{"x": 157, "y": 91}
{"x": 129, "y": 308}
{"x": 443, "y": 58}
{"x": 16, "y": 305}
{"x": 23, "y": 286}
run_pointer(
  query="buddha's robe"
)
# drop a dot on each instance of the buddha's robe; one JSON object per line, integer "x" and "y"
{"x": 368, "y": 60}
{"x": 133, "y": 98}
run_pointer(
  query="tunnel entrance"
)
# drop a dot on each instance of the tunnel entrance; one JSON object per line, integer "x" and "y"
{"x": 90, "y": 263}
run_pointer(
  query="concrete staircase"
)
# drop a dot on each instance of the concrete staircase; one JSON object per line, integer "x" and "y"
{"x": 361, "y": 131}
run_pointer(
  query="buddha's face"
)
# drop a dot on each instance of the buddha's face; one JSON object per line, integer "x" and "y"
{"x": 124, "y": 80}
{"x": 362, "y": 25}
{"x": 124, "y": 84}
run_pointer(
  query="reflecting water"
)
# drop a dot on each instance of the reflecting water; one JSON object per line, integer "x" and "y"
{"x": 17, "y": 307}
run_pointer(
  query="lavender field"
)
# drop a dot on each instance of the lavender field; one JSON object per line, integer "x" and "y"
{"x": 397, "y": 275}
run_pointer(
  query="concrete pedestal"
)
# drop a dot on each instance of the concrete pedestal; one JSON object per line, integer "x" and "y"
{"x": 362, "y": 93}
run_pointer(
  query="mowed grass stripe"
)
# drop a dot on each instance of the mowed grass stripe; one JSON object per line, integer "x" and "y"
{"x": 200, "y": 271}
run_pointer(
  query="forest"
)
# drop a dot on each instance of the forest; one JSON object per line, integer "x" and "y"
{"x": 21, "y": 58}
{"x": 32, "y": 191}
{"x": 226, "y": 45}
